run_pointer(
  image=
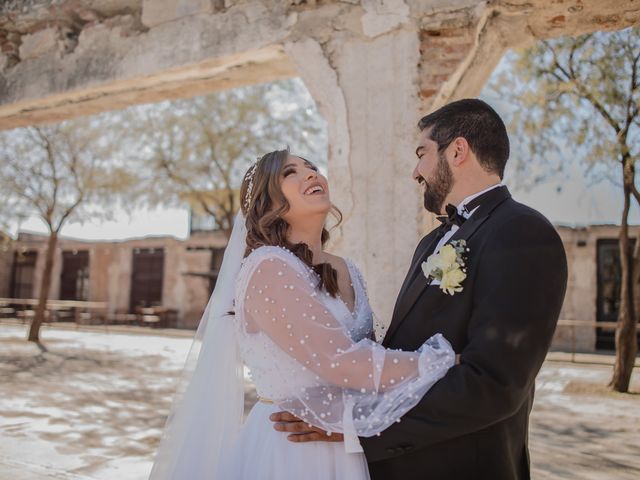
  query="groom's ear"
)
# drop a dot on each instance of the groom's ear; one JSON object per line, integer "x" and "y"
{"x": 460, "y": 151}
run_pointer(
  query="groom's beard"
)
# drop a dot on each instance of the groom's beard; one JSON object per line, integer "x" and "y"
{"x": 438, "y": 186}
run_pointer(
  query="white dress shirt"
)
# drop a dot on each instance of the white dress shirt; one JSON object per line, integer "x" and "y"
{"x": 461, "y": 210}
{"x": 351, "y": 441}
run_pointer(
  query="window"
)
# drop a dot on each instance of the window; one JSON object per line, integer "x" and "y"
{"x": 146, "y": 277}
{"x": 74, "y": 280}
{"x": 24, "y": 265}
{"x": 609, "y": 285}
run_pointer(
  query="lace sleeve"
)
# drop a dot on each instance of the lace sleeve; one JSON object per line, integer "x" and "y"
{"x": 359, "y": 386}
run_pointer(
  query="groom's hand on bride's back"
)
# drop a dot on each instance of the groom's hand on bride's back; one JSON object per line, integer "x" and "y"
{"x": 300, "y": 431}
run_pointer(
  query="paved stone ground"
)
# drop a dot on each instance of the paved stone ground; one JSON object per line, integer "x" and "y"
{"x": 92, "y": 408}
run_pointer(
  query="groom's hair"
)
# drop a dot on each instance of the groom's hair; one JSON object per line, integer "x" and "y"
{"x": 479, "y": 124}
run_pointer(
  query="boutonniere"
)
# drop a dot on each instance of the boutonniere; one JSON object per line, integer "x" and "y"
{"x": 448, "y": 266}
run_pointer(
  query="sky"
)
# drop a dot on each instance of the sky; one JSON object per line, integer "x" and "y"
{"x": 579, "y": 203}
{"x": 137, "y": 223}
{"x": 571, "y": 199}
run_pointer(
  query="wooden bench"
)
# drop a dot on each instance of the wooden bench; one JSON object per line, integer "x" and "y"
{"x": 79, "y": 311}
{"x": 25, "y": 315}
{"x": 122, "y": 318}
{"x": 157, "y": 316}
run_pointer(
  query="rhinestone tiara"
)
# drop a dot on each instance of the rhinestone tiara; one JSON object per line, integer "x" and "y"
{"x": 248, "y": 194}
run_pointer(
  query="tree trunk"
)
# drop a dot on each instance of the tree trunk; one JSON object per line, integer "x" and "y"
{"x": 229, "y": 220}
{"x": 635, "y": 279}
{"x": 228, "y": 217}
{"x": 626, "y": 342}
{"x": 45, "y": 286}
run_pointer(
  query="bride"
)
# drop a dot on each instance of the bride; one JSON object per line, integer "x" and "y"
{"x": 299, "y": 319}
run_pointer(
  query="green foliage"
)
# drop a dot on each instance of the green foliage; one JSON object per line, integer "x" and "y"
{"x": 189, "y": 151}
{"x": 59, "y": 172}
{"x": 576, "y": 98}
{"x": 197, "y": 150}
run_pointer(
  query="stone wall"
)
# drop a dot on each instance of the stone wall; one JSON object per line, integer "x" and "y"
{"x": 105, "y": 55}
{"x": 582, "y": 289}
{"x": 110, "y": 275}
{"x": 186, "y": 264}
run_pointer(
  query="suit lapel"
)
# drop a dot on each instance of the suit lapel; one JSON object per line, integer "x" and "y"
{"x": 415, "y": 285}
{"x": 419, "y": 258}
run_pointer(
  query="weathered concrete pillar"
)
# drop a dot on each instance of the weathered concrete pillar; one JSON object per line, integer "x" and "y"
{"x": 367, "y": 91}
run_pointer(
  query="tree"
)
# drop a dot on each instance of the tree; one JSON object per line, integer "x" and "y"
{"x": 197, "y": 150}
{"x": 58, "y": 173}
{"x": 580, "y": 97}
{"x": 9, "y": 212}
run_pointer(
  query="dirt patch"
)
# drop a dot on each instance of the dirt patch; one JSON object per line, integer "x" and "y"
{"x": 587, "y": 388}
{"x": 95, "y": 404}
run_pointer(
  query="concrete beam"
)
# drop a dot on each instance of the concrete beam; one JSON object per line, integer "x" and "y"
{"x": 110, "y": 62}
{"x": 512, "y": 24}
{"x": 267, "y": 64}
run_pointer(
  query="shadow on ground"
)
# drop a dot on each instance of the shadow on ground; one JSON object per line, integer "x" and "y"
{"x": 93, "y": 406}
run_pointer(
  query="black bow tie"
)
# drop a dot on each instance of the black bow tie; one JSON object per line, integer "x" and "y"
{"x": 451, "y": 218}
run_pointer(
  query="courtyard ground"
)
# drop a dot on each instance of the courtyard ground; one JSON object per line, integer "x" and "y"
{"x": 93, "y": 405}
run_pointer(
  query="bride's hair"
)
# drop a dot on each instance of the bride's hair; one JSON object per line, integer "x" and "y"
{"x": 263, "y": 205}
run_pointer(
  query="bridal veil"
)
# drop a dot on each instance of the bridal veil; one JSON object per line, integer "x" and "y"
{"x": 207, "y": 412}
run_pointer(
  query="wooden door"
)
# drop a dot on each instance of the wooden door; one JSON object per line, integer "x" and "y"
{"x": 147, "y": 276}
{"x": 74, "y": 279}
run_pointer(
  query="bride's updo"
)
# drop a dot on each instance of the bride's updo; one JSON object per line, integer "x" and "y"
{"x": 263, "y": 205}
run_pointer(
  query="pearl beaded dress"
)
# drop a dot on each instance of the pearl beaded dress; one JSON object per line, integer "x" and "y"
{"x": 313, "y": 357}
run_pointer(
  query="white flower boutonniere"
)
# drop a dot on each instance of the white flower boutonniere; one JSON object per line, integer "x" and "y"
{"x": 448, "y": 266}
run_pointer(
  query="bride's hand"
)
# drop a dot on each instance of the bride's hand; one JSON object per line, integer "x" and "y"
{"x": 300, "y": 431}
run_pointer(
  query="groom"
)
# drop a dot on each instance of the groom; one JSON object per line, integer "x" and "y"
{"x": 473, "y": 424}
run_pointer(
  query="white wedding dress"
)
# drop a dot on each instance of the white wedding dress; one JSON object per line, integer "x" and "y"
{"x": 308, "y": 354}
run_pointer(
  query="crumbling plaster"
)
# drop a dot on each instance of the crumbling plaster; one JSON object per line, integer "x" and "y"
{"x": 63, "y": 58}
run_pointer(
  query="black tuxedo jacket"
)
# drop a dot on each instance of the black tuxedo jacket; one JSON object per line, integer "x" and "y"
{"x": 473, "y": 423}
